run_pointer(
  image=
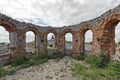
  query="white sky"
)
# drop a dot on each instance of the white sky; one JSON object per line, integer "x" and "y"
{"x": 56, "y": 13}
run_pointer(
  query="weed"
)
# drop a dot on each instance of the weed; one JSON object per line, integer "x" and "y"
{"x": 79, "y": 57}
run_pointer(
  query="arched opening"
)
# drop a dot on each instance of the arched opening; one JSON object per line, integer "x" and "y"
{"x": 110, "y": 39}
{"x": 88, "y": 41}
{"x": 68, "y": 43}
{"x": 50, "y": 41}
{"x": 30, "y": 42}
{"x": 117, "y": 39}
{"x": 4, "y": 40}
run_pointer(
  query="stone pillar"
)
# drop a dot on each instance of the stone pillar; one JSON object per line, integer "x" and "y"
{"x": 108, "y": 42}
{"x": 43, "y": 45}
{"x": 82, "y": 43}
{"x": 103, "y": 41}
{"x": 76, "y": 43}
{"x": 13, "y": 43}
{"x": 60, "y": 43}
{"x": 37, "y": 44}
{"x": 97, "y": 41}
{"x": 21, "y": 44}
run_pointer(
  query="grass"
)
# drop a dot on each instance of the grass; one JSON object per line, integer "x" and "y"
{"x": 100, "y": 62}
{"x": 98, "y": 68}
{"x": 94, "y": 68}
{"x": 79, "y": 57}
{"x": 50, "y": 48}
{"x": 4, "y": 71}
{"x": 93, "y": 73}
{"x": 25, "y": 62}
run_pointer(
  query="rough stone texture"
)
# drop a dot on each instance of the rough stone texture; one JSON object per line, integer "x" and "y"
{"x": 103, "y": 28}
{"x": 5, "y": 59}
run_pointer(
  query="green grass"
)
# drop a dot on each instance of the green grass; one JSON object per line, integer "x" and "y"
{"x": 100, "y": 62}
{"x": 79, "y": 57}
{"x": 4, "y": 71}
{"x": 93, "y": 73}
{"x": 24, "y": 62}
{"x": 50, "y": 48}
{"x": 99, "y": 68}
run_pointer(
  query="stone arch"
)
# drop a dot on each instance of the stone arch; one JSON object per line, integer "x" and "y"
{"x": 8, "y": 26}
{"x": 111, "y": 21}
{"x": 82, "y": 31}
{"x": 108, "y": 34}
{"x": 12, "y": 36}
{"x": 50, "y": 31}
{"x": 85, "y": 28}
{"x": 46, "y": 41}
{"x": 67, "y": 31}
{"x": 64, "y": 32}
{"x": 38, "y": 37}
{"x": 34, "y": 30}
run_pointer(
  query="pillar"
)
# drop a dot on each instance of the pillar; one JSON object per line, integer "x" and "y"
{"x": 13, "y": 43}
{"x": 21, "y": 44}
{"x": 37, "y": 44}
{"x": 76, "y": 43}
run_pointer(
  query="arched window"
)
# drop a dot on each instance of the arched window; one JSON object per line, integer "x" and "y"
{"x": 117, "y": 39}
{"x": 68, "y": 41}
{"x": 88, "y": 40}
{"x": 30, "y": 42}
{"x": 50, "y": 41}
{"x": 4, "y": 40}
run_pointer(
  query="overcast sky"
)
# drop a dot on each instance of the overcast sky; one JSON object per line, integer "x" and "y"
{"x": 56, "y": 13}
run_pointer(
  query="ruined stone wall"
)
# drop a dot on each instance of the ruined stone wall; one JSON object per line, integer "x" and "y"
{"x": 103, "y": 34}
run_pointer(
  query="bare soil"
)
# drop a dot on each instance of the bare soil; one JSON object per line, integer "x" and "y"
{"x": 51, "y": 70}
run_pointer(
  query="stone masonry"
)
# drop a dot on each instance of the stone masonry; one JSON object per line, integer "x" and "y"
{"x": 103, "y": 28}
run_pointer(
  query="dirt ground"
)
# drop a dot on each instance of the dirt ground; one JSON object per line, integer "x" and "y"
{"x": 51, "y": 70}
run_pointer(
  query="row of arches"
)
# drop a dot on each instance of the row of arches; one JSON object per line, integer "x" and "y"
{"x": 103, "y": 37}
{"x": 51, "y": 44}
{"x": 31, "y": 43}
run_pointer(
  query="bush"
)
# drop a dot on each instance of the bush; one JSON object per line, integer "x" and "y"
{"x": 98, "y": 62}
{"x": 115, "y": 67}
{"x": 94, "y": 73}
{"x": 39, "y": 59}
{"x": 79, "y": 57}
{"x": 2, "y": 71}
{"x": 55, "y": 56}
{"x": 90, "y": 59}
{"x": 78, "y": 68}
{"x": 19, "y": 60}
{"x": 102, "y": 61}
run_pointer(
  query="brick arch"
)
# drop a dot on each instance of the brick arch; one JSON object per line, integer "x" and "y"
{"x": 111, "y": 21}
{"x": 34, "y": 30}
{"x": 63, "y": 41}
{"x": 50, "y": 31}
{"x": 107, "y": 39}
{"x": 12, "y": 47}
{"x": 67, "y": 31}
{"x": 8, "y": 26}
{"x": 84, "y": 29}
{"x": 36, "y": 33}
{"x": 82, "y": 32}
{"x": 45, "y": 37}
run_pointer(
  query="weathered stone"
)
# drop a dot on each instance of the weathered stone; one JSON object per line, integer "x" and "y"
{"x": 103, "y": 34}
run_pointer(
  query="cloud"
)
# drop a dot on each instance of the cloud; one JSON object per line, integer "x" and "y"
{"x": 57, "y": 12}
{"x": 3, "y": 37}
{"x": 66, "y": 12}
